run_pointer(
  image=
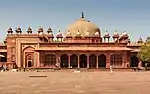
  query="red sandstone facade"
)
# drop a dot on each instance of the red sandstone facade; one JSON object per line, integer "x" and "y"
{"x": 82, "y": 46}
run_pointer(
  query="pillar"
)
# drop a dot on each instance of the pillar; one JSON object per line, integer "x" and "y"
{"x": 96, "y": 61}
{"x": 58, "y": 60}
{"x": 78, "y": 61}
{"x": 87, "y": 61}
{"x": 108, "y": 40}
{"x": 108, "y": 60}
{"x": 38, "y": 59}
{"x": 24, "y": 62}
{"x": 69, "y": 61}
{"x": 104, "y": 39}
{"x": 125, "y": 59}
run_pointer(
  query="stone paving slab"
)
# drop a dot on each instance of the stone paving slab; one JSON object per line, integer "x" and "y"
{"x": 75, "y": 83}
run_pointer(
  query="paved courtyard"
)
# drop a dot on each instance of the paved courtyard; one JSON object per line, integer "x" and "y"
{"x": 75, "y": 83}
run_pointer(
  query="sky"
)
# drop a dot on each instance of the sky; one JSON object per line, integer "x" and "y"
{"x": 130, "y": 15}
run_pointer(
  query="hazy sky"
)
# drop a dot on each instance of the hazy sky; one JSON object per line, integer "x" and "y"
{"x": 130, "y": 15}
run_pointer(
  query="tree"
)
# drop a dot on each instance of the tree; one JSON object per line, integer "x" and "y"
{"x": 144, "y": 53}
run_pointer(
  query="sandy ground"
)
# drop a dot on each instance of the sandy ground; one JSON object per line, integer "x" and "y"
{"x": 75, "y": 83}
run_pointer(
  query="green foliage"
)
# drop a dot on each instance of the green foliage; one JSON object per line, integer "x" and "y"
{"x": 144, "y": 53}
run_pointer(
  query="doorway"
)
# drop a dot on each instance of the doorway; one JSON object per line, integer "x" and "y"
{"x": 29, "y": 63}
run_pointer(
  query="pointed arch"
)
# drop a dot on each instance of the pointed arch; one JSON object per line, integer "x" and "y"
{"x": 64, "y": 61}
{"x": 74, "y": 61}
{"x": 92, "y": 61}
{"x": 28, "y": 48}
{"x": 83, "y": 61}
{"x": 102, "y": 61}
{"x": 28, "y": 51}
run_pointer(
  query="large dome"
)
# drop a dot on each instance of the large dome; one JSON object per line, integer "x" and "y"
{"x": 82, "y": 26}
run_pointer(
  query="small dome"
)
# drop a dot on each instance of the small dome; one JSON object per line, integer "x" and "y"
{"x": 29, "y": 30}
{"x": 18, "y": 30}
{"x": 10, "y": 30}
{"x": 40, "y": 30}
{"x": 106, "y": 35}
{"x": 140, "y": 39}
{"x": 116, "y": 34}
{"x": 51, "y": 33}
{"x": 59, "y": 35}
{"x": 87, "y": 33}
{"x": 124, "y": 33}
{"x": 68, "y": 33}
{"x": 78, "y": 33}
{"x": 97, "y": 34}
{"x": 82, "y": 25}
{"x": 49, "y": 30}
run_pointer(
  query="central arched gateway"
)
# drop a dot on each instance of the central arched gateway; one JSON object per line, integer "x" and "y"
{"x": 83, "y": 61}
{"x": 64, "y": 61}
{"x": 74, "y": 61}
{"x": 134, "y": 61}
{"x": 102, "y": 61}
{"x": 92, "y": 61}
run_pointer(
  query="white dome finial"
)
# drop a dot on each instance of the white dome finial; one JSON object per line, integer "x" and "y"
{"x": 87, "y": 33}
{"x": 97, "y": 33}
{"x": 82, "y": 15}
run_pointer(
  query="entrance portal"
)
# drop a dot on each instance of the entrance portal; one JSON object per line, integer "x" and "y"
{"x": 83, "y": 61}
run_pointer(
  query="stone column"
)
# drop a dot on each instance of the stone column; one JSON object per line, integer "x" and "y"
{"x": 108, "y": 40}
{"x": 24, "y": 62}
{"x": 87, "y": 61}
{"x": 69, "y": 60}
{"x": 38, "y": 59}
{"x": 108, "y": 60}
{"x": 57, "y": 60}
{"x": 78, "y": 61}
{"x": 96, "y": 61}
{"x": 104, "y": 39}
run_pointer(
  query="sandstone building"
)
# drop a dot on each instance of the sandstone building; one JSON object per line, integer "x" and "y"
{"x": 82, "y": 46}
